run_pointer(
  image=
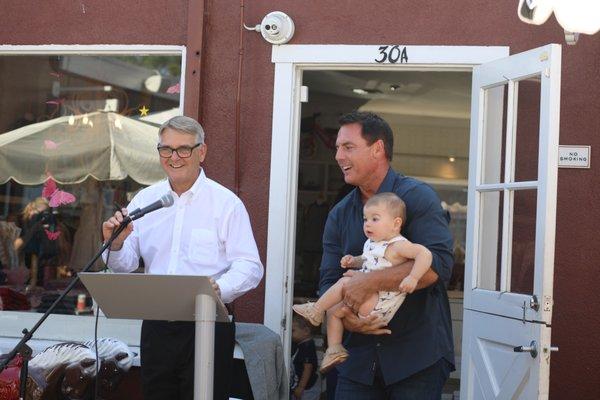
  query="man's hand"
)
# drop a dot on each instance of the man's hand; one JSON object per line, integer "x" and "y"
{"x": 372, "y": 325}
{"x": 113, "y": 223}
{"x": 358, "y": 289}
{"x": 408, "y": 284}
{"x": 215, "y": 286}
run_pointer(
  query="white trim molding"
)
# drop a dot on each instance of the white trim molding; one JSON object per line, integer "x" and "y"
{"x": 121, "y": 49}
{"x": 368, "y": 54}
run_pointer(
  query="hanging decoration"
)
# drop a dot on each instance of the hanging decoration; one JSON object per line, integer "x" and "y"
{"x": 55, "y": 197}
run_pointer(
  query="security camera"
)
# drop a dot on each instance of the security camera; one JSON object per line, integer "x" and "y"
{"x": 277, "y": 28}
{"x": 534, "y": 12}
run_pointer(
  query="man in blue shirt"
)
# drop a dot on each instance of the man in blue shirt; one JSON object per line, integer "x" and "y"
{"x": 413, "y": 356}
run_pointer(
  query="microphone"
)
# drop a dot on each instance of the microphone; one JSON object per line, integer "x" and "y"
{"x": 165, "y": 201}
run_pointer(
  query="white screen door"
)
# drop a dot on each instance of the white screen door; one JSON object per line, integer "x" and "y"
{"x": 511, "y": 226}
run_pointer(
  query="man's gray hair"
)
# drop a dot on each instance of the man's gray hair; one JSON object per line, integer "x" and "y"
{"x": 184, "y": 124}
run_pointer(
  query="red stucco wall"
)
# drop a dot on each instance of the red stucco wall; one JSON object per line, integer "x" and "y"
{"x": 576, "y": 319}
{"x": 93, "y": 22}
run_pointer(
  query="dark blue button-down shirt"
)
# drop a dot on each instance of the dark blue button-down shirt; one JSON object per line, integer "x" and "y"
{"x": 421, "y": 329}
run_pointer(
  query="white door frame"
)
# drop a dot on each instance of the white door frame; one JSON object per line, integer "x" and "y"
{"x": 290, "y": 61}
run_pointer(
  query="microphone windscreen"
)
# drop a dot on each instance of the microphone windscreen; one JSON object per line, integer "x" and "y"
{"x": 167, "y": 200}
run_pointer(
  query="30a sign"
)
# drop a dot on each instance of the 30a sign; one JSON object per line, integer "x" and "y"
{"x": 392, "y": 54}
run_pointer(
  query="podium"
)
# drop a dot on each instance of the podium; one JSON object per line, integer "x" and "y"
{"x": 165, "y": 297}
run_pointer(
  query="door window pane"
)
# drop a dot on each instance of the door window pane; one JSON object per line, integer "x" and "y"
{"x": 490, "y": 241}
{"x": 527, "y": 130}
{"x": 494, "y": 134}
{"x": 523, "y": 241}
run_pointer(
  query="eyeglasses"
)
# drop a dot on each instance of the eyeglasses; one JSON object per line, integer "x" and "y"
{"x": 182, "y": 152}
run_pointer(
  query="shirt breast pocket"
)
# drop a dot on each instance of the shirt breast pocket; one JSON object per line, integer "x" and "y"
{"x": 204, "y": 247}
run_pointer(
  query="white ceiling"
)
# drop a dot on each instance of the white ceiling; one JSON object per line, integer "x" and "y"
{"x": 429, "y": 113}
{"x": 434, "y": 94}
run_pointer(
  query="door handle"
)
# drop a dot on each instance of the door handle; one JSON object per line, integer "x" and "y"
{"x": 534, "y": 304}
{"x": 531, "y": 349}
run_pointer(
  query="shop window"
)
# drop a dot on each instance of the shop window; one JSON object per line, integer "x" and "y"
{"x": 78, "y": 135}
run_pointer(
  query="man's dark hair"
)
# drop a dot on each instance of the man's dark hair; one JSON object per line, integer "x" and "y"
{"x": 373, "y": 128}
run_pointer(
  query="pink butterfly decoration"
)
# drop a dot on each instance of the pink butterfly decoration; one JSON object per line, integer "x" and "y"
{"x": 176, "y": 88}
{"x": 50, "y": 145}
{"x": 55, "y": 196}
{"x": 52, "y": 235}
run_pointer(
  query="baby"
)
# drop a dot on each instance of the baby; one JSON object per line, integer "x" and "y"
{"x": 384, "y": 214}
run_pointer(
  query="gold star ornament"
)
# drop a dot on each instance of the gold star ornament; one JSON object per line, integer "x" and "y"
{"x": 143, "y": 111}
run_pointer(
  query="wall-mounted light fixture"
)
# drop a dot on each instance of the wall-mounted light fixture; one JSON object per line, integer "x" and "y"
{"x": 574, "y": 16}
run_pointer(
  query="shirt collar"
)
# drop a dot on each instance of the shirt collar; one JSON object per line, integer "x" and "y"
{"x": 388, "y": 182}
{"x": 198, "y": 184}
{"x": 195, "y": 187}
{"x": 386, "y": 186}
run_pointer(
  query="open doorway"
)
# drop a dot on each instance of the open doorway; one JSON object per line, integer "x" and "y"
{"x": 429, "y": 112}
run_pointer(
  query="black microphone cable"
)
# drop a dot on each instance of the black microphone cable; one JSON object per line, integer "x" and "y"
{"x": 96, "y": 334}
{"x": 96, "y": 331}
{"x": 96, "y": 351}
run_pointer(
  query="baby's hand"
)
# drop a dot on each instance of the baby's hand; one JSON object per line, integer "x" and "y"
{"x": 346, "y": 261}
{"x": 408, "y": 284}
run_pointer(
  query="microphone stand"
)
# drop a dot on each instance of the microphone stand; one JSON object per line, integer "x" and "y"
{"x": 21, "y": 347}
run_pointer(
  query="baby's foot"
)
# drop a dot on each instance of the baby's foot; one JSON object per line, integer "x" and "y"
{"x": 335, "y": 354}
{"x": 309, "y": 312}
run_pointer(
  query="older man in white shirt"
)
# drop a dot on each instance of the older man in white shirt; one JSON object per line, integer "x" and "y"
{"x": 206, "y": 232}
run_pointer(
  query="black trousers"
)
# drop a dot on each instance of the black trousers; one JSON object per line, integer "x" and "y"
{"x": 167, "y": 358}
{"x": 423, "y": 385}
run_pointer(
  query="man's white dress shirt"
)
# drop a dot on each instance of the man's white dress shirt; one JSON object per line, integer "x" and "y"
{"x": 205, "y": 232}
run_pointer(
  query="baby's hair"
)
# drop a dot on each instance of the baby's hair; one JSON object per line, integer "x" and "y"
{"x": 392, "y": 203}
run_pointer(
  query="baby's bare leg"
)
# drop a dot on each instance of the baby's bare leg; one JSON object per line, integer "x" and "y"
{"x": 332, "y": 296}
{"x": 367, "y": 307}
{"x": 335, "y": 326}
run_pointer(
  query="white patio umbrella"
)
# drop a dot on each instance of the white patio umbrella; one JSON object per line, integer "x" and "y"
{"x": 103, "y": 145}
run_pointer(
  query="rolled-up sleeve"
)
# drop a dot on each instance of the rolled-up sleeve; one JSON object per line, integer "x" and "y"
{"x": 246, "y": 269}
{"x": 428, "y": 225}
